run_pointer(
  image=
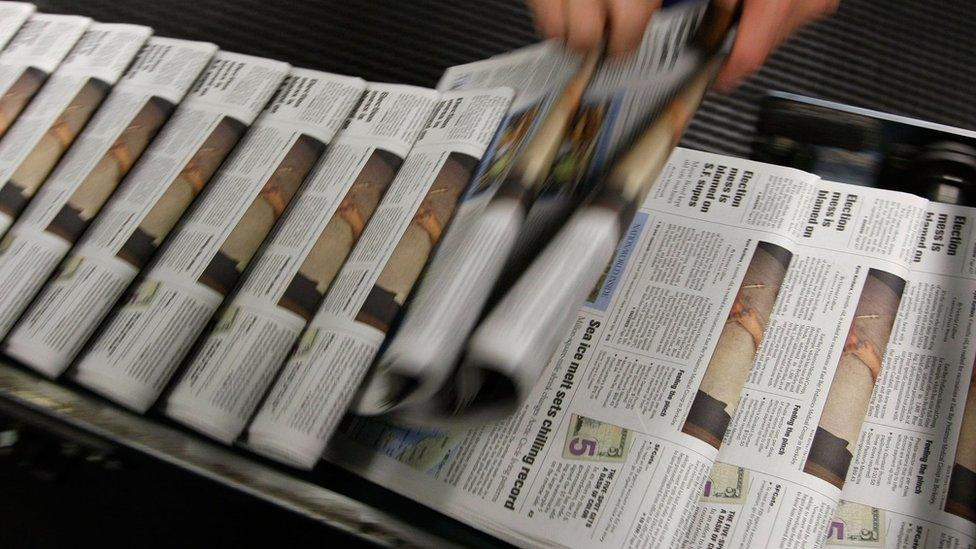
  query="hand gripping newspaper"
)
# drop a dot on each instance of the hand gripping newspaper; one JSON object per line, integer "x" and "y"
{"x": 57, "y": 114}
{"x": 768, "y": 360}
{"x": 89, "y": 173}
{"x": 125, "y": 235}
{"x": 333, "y": 354}
{"x": 12, "y": 16}
{"x": 150, "y": 334}
{"x": 237, "y": 361}
{"x": 450, "y": 300}
{"x": 31, "y": 55}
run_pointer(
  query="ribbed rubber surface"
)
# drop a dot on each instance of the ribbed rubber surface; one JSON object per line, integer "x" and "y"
{"x": 902, "y": 56}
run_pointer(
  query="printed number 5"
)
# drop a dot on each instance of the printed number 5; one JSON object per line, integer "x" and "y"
{"x": 580, "y": 446}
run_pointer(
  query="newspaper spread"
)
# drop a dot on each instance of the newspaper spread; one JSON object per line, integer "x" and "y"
{"x": 31, "y": 56}
{"x": 96, "y": 164}
{"x": 451, "y": 298}
{"x": 317, "y": 383}
{"x": 716, "y": 381}
{"x": 49, "y": 125}
{"x": 12, "y": 16}
{"x": 176, "y": 167}
{"x": 239, "y": 358}
{"x": 148, "y": 337}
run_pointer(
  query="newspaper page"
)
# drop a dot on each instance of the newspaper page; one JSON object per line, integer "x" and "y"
{"x": 237, "y": 361}
{"x": 138, "y": 106}
{"x": 49, "y": 125}
{"x": 616, "y": 442}
{"x": 12, "y": 16}
{"x": 912, "y": 479}
{"x": 179, "y": 163}
{"x": 333, "y": 354}
{"x": 31, "y": 56}
{"x": 145, "y": 340}
{"x": 806, "y": 367}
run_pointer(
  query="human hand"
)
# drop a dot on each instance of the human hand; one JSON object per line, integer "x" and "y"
{"x": 763, "y": 26}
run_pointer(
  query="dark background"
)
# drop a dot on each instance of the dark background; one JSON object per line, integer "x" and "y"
{"x": 908, "y": 57}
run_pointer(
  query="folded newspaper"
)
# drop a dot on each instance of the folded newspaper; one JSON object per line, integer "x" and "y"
{"x": 578, "y": 335}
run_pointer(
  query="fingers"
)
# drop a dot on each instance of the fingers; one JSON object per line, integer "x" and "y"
{"x": 764, "y": 24}
{"x": 628, "y": 21}
{"x": 550, "y": 18}
{"x": 585, "y": 21}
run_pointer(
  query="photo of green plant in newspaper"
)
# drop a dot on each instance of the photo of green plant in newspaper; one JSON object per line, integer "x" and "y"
{"x": 576, "y": 153}
{"x": 88, "y": 199}
{"x": 256, "y": 223}
{"x": 857, "y": 372}
{"x": 728, "y": 369}
{"x": 31, "y": 173}
{"x": 503, "y": 152}
{"x": 19, "y": 95}
{"x": 307, "y": 289}
{"x": 961, "y": 500}
{"x": 180, "y": 193}
{"x": 415, "y": 246}
{"x": 856, "y": 525}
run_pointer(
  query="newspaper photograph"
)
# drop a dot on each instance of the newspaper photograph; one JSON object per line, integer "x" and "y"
{"x": 334, "y": 352}
{"x": 31, "y": 55}
{"x": 160, "y": 318}
{"x": 12, "y": 16}
{"x": 55, "y": 117}
{"x": 122, "y": 239}
{"x": 238, "y": 359}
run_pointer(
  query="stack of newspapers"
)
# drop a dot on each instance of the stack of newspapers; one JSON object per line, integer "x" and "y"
{"x": 545, "y": 320}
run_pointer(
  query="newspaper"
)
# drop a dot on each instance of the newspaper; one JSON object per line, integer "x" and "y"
{"x": 237, "y": 361}
{"x": 452, "y": 297}
{"x": 89, "y": 173}
{"x": 333, "y": 354}
{"x": 31, "y": 55}
{"x": 12, "y": 16}
{"x": 70, "y": 96}
{"x": 911, "y": 478}
{"x": 148, "y": 337}
{"x": 176, "y": 167}
{"x": 712, "y": 389}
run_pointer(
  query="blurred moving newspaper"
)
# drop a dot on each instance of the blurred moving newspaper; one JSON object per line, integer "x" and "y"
{"x": 144, "y": 340}
{"x": 223, "y": 102}
{"x": 88, "y": 175}
{"x": 759, "y": 337}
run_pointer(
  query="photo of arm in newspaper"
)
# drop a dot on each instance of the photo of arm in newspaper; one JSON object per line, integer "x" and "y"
{"x": 31, "y": 173}
{"x": 18, "y": 95}
{"x": 102, "y": 181}
{"x": 229, "y": 262}
{"x": 401, "y": 272}
{"x": 735, "y": 353}
{"x": 850, "y": 391}
{"x": 305, "y": 292}
{"x": 146, "y": 238}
